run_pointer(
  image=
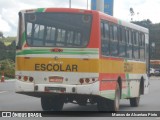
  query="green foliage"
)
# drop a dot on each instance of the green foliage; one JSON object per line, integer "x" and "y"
{"x": 11, "y": 51}
{"x": 7, "y": 52}
{"x": 8, "y": 67}
{"x": 8, "y": 39}
{"x": 7, "y": 56}
{"x": 145, "y": 23}
{"x": 154, "y": 37}
{"x": 1, "y": 34}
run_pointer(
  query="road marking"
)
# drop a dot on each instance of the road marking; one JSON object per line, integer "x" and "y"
{"x": 2, "y": 92}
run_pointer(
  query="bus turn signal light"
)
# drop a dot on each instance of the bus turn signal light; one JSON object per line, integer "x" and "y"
{"x": 25, "y": 78}
{"x": 19, "y": 77}
{"x": 31, "y": 79}
{"x": 87, "y": 80}
{"x": 81, "y": 81}
{"x": 93, "y": 79}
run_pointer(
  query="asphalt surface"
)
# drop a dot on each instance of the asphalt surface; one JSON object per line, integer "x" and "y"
{"x": 11, "y": 101}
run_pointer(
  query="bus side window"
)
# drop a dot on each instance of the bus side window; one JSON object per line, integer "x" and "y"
{"x": 105, "y": 38}
{"x": 142, "y": 47}
{"x": 113, "y": 40}
{"x": 102, "y": 30}
{"x": 122, "y": 42}
{"x": 129, "y": 44}
{"x": 135, "y": 45}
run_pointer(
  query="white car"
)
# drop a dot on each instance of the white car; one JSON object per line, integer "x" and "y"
{"x": 152, "y": 71}
{"x": 157, "y": 72}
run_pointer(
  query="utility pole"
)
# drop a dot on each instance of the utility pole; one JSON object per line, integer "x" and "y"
{"x": 100, "y": 5}
{"x": 69, "y": 3}
{"x": 87, "y": 4}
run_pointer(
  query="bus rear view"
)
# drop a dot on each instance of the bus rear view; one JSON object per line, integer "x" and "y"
{"x": 56, "y": 59}
{"x": 80, "y": 56}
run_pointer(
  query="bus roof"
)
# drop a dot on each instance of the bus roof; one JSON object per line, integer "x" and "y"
{"x": 102, "y": 16}
{"x": 70, "y": 10}
{"x": 123, "y": 23}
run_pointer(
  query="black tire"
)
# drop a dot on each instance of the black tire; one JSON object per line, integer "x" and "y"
{"x": 46, "y": 103}
{"x": 151, "y": 74}
{"x": 114, "y": 105}
{"x": 103, "y": 104}
{"x": 110, "y": 105}
{"x": 52, "y": 103}
{"x": 134, "y": 102}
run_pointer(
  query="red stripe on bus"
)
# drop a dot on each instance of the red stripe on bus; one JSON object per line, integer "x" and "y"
{"x": 109, "y": 18}
{"x": 108, "y": 81}
{"x": 111, "y": 76}
{"x": 111, "y": 58}
{"x": 107, "y": 85}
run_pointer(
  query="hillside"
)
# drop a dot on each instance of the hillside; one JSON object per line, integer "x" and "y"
{"x": 8, "y": 40}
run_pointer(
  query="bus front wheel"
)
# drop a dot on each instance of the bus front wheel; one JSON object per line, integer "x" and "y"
{"x": 134, "y": 102}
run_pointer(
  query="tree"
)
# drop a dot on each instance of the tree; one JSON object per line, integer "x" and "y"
{"x": 144, "y": 23}
{"x": 2, "y": 51}
{"x": 132, "y": 13}
{"x": 1, "y": 34}
{"x": 11, "y": 51}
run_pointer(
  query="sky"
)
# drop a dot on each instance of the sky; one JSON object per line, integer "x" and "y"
{"x": 143, "y": 9}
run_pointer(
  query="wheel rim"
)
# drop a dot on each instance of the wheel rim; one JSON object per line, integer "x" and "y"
{"x": 117, "y": 98}
{"x": 117, "y": 101}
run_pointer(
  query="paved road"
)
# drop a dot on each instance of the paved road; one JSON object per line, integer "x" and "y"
{"x": 10, "y": 101}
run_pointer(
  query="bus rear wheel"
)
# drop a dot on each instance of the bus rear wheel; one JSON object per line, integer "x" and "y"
{"x": 52, "y": 103}
{"x": 110, "y": 105}
{"x": 114, "y": 104}
{"x": 103, "y": 104}
{"x": 134, "y": 102}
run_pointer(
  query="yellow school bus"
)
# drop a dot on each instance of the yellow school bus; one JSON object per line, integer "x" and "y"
{"x": 67, "y": 55}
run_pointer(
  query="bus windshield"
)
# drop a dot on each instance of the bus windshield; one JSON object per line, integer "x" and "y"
{"x": 57, "y": 29}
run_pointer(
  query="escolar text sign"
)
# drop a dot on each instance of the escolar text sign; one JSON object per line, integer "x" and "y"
{"x": 56, "y": 67}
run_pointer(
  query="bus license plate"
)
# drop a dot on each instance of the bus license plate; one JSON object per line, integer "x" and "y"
{"x": 56, "y": 79}
{"x": 55, "y": 89}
